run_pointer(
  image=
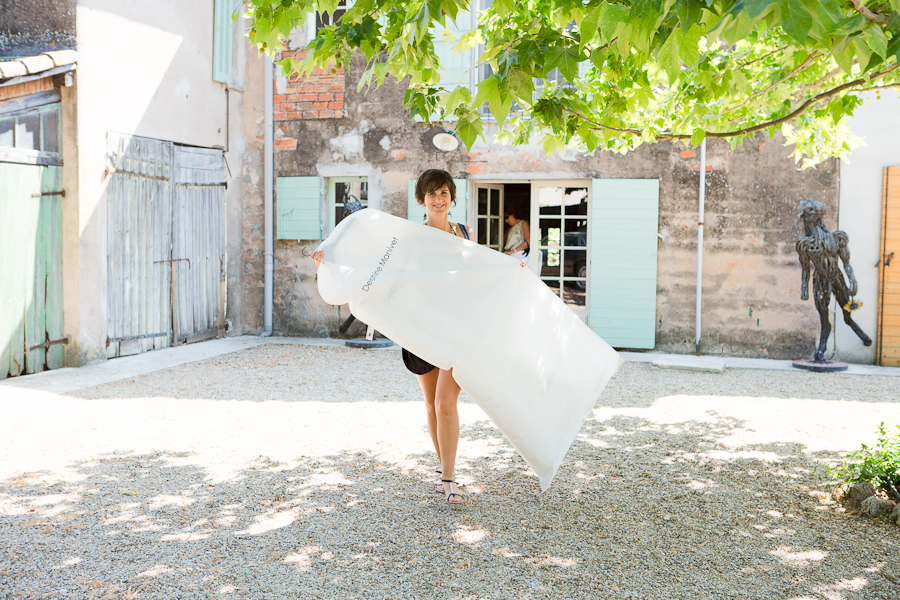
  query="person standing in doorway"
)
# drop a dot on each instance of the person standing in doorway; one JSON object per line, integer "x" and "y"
{"x": 517, "y": 236}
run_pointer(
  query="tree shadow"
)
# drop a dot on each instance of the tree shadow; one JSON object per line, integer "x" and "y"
{"x": 639, "y": 509}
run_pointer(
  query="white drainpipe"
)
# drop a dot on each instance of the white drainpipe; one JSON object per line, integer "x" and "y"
{"x": 268, "y": 269}
{"x": 700, "y": 242}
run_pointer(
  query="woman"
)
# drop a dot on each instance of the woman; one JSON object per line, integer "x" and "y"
{"x": 517, "y": 237}
{"x": 436, "y": 191}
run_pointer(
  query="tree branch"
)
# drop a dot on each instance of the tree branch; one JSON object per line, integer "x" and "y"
{"x": 874, "y": 17}
{"x": 813, "y": 55}
{"x": 753, "y": 129}
{"x": 763, "y": 57}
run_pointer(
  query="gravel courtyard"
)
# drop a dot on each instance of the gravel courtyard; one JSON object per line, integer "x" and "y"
{"x": 291, "y": 471}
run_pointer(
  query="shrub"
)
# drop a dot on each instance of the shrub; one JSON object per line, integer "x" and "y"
{"x": 879, "y": 466}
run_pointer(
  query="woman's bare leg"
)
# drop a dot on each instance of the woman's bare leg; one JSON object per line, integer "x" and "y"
{"x": 445, "y": 399}
{"x": 428, "y": 382}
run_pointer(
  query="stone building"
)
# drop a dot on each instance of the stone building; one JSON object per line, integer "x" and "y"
{"x": 618, "y": 234}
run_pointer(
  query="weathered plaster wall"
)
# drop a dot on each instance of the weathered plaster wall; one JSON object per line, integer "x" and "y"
{"x": 877, "y": 122}
{"x": 751, "y": 304}
{"x": 70, "y": 230}
{"x": 29, "y": 27}
{"x": 143, "y": 69}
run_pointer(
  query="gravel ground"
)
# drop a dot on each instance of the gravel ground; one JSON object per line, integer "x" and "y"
{"x": 304, "y": 472}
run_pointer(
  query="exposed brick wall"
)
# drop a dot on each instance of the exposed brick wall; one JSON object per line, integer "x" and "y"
{"x": 319, "y": 95}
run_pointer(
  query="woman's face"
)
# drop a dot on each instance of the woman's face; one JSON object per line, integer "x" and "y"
{"x": 438, "y": 201}
{"x": 511, "y": 220}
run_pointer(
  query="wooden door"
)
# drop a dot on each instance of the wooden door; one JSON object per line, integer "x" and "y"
{"x": 888, "y": 348}
{"x": 31, "y": 291}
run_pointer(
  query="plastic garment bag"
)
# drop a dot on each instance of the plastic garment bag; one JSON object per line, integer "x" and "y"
{"x": 528, "y": 361}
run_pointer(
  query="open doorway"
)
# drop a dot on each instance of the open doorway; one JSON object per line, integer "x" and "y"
{"x": 557, "y": 213}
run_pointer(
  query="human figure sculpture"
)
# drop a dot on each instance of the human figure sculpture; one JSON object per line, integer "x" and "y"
{"x": 819, "y": 251}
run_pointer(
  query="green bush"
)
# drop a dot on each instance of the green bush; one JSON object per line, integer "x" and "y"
{"x": 879, "y": 466}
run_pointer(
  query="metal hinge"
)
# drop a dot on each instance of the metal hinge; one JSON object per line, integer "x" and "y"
{"x": 59, "y": 193}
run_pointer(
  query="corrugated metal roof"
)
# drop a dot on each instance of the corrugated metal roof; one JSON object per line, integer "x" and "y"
{"x": 31, "y": 65}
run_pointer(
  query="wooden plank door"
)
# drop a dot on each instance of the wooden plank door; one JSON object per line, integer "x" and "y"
{"x": 888, "y": 348}
{"x": 198, "y": 242}
{"x": 31, "y": 306}
{"x": 139, "y": 216}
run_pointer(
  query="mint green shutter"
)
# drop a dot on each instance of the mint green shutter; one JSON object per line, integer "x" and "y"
{"x": 624, "y": 221}
{"x": 416, "y": 212}
{"x": 298, "y": 203}
{"x": 222, "y": 42}
{"x": 455, "y": 68}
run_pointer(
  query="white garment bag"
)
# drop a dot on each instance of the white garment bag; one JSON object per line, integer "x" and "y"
{"x": 528, "y": 361}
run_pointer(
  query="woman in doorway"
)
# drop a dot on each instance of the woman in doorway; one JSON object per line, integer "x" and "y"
{"x": 436, "y": 191}
{"x": 518, "y": 235}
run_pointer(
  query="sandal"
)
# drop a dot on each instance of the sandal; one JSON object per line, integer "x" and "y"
{"x": 439, "y": 487}
{"x": 451, "y": 492}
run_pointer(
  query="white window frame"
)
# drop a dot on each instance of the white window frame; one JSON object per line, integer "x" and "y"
{"x": 329, "y": 221}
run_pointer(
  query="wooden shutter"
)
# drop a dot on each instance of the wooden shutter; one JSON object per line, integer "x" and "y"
{"x": 625, "y": 218}
{"x": 888, "y": 348}
{"x": 299, "y": 208}
{"x": 416, "y": 212}
{"x": 222, "y": 42}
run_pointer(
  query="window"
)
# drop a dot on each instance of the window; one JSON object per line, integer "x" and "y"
{"x": 324, "y": 19}
{"x": 222, "y": 41}
{"x": 31, "y": 135}
{"x": 317, "y": 20}
{"x": 342, "y": 191}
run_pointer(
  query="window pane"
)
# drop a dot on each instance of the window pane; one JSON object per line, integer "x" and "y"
{"x": 6, "y": 132}
{"x": 576, "y": 201}
{"x": 549, "y": 200}
{"x": 50, "y": 130}
{"x": 495, "y": 203}
{"x": 28, "y": 132}
{"x": 349, "y": 192}
{"x": 482, "y": 230}
{"x": 495, "y": 232}
{"x": 482, "y": 201}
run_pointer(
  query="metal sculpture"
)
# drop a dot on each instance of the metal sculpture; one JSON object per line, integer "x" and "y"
{"x": 820, "y": 250}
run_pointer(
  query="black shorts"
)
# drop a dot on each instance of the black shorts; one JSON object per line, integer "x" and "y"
{"x": 415, "y": 364}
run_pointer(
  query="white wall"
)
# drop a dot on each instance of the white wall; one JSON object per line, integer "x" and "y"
{"x": 144, "y": 68}
{"x": 878, "y": 123}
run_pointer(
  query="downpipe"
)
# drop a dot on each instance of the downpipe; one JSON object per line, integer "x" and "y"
{"x": 268, "y": 268}
{"x": 700, "y": 217}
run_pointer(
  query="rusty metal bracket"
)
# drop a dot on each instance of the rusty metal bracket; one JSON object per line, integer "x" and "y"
{"x": 59, "y": 193}
{"x": 65, "y": 340}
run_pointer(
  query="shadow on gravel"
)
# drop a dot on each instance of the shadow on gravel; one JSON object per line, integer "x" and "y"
{"x": 639, "y": 510}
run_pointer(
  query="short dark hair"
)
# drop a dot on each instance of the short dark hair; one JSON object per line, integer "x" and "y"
{"x": 513, "y": 210}
{"x": 434, "y": 179}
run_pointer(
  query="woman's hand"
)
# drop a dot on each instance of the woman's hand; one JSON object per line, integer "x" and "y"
{"x": 317, "y": 256}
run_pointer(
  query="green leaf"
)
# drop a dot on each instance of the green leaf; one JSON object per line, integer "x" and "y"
{"x": 468, "y": 129}
{"x": 697, "y": 137}
{"x": 895, "y": 4}
{"x": 551, "y": 144}
{"x": 876, "y": 40}
{"x": 521, "y": 84}
{"x": 590, "y": 25}
{"x": 487, "y": 92}
{"x": 795, "y": 19}
{"x": 565, "y": 59}
{"x": 669, "y": 58}
{"x": 844, "y": 59}
{"x": 500, "y": 106}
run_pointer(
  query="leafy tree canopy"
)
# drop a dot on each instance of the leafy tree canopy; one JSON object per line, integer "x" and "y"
{"x": 635, "y": 71}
